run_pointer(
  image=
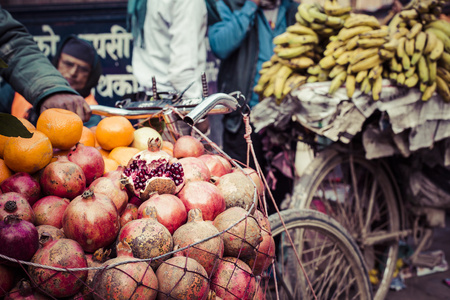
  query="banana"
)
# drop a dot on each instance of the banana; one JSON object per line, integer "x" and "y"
{"x": 361, "y": 75}
{"x": 375, "y": 33}
{"x": 376, "y": 88}
{"x": 314, "y": 70}
{"x": 393, "y": 76}
{"x": 298, "y": 28}
{"x": 431, "y": 42}
{"x": 401, "y": 78}
{"x": 333, "y": 8}
{"x": 394, "y": 23}
{"x": 300, "y": 20}
{"x": 362, "y": 20}
{"x": 401, "y": 47}
{"x": 297, "y": 63}
{"x": 414, "y": 31}
{"x": 364, "y": 54}
{"x": 323, "y": 75}
{"x": 332, "y": 46}
{"x": 352, "y": 43}
{"x": 409, "y": 14}
{"x": 422, "y": 69}
{"x": 443, "y": 89}
{"x": 365, "y": 85}
{"x": 366, "y": 64}
{"x": 432, "y": 70}
{"x": 327, "y": 62}
{"x": 266, "y": 76}
{"x": 428, "y": 92}
{"x": 423, "y": 8}
{"x": 410, "y": 72}
{"x": 266, "y": 64}
{"x": 303, "y": 10}
{"x": 394, "y": 65}
{"x": 422, "y": 86}
{"x": 371, "y": 42}
{"x": 337, "y": 69}
{"x": 409, "y": 47}
{"x": 444, "y": 61}
{"x": 441, "y": 36}
{"x": 406, "y": 62}
{"x": 293, "y": 81}
{"x": 344, "y": 58}
{"x": 334, "y": 22}
{"x": 295, "y": 39}
{"x": 337, "y": 81}
{"x": 312, "y": 78}
{"x": 436, "y": 53}
{"x": 441, "y": 25}
{"x": 317, "y": 15}
{"x": 338, "y": 52}
{"x": 258, "y": 88}
{"x": 280, "y": 79}
{"x": 386, "y": 54}
{"x": 399, "y": 32}
{"x": 347, "y": 33}
{"x": 421, "y": 39}
{"x": 391, "y": 45}
{"x": 294, "y": 52}
{"x": 268, "y": 91}
{"x": 350, "y": 85}
{"x": 412, "y": 80}
{"x": 444, "y": 74}
{"x": 375, "y": 72}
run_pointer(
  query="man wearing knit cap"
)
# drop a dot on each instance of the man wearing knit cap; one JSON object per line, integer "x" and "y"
{"x": 78, "y": 62}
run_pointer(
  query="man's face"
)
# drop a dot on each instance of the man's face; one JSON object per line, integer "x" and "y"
{"x": 74, "y": 70}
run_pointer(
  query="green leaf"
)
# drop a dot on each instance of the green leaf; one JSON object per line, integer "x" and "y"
{"x": 12, "y": 127}
{"x": 3, "y": 64}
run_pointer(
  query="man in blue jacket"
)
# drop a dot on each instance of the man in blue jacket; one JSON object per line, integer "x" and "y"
{"x": 242, "y": 39}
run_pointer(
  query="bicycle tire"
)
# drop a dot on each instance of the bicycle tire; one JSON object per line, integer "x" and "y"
{"x": 326, "y": 186}
{"x": 331, "y": 259}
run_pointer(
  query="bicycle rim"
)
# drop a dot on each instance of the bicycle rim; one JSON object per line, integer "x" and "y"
{"x": 330, "y": 260}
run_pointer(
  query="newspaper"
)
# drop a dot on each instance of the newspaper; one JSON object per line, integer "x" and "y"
{"x": 408, "y": 123}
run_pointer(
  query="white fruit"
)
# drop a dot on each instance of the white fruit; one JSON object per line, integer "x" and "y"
{"x": 141, "y": 136}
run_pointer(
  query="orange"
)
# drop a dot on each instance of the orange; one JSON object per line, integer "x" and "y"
{"x": 28, "y": 155}
{"x": 63, "y": 127}
{"x": 3, "y": 138}
{"x": 123, "y": 154}
{"x": 110, "y": 164}
{"x": 112, "y": 132}
{"x": 167, "y": 147}
{"x": 93, "y": 129}
{"x": 5, "y": 172}
{"x": 103, "y": 152}
{"x": 87, "y": 137}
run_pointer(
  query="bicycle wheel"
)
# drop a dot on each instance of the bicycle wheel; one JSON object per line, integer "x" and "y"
{"x": 332, "y": 263}
{"x": 359, "y": 195}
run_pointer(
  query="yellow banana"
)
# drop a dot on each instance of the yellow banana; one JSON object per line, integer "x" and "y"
{"x": 436, "y": 53}
{"x": 258, "y": 88}
{"x": 280, "y": 79}
{"x": 423, "y": 8}
{"x": 444, "y": 74}
{"x": 337, "y": 69}
{"x": 366, "y": 64}
{"x": 421, "y": 39}
{"x": 393, "y": 75}
{"x": 317, "y": 15}
{"x": 401, "y": 47}
{"x": 323, "y": 75}
{"x": 431, "y": 42}
{"x": 393, "y": 24}
{"x": 375, "y": 72}
{"x": 294, "y": 52}
{"x": 364, "y": 54}
{"x": 303, "y": 10}
{"x": 333, "y": 8}
{"x": 400, "y": 32}
{"x": 327, "y": 62}
{"x": 375, "y": 33}
{"x": 371, "y": 42}
{"x": 338, "y": 52}
{"x": 292, "y": 38}
{"x": 347, "y": 33}
{"x": 352, "y": 43}
{"x": 350, "y": 85}
{"x": 314, "y": 70}
{"x": 410, "y": 72}
{"x": 409, "y": 14}
{"x": 361, "y": 75}
{"x": 300, "y": 29}
{"x": 266, "y": 76}
{"x": 386, "y": 54}
{"x": 406, "y": 62}
{"x": 444, "y": 61}
{"x": 376, "y": 88}
{"x": 296, "y": 63}
{"x": 428, "y": 92}
{"x": 344, "y": 58}
{"x": 268, "y": 90}
{"x": 401, "y": 78}
{"x": 391, "y": 45}
{"x": 409, "y": 47}
{"x": 412, "y": 80}
{"x": 443, "y": 89}
{"x": 366, "y": 86}
{"x": 334, "y": 22}
{"x": 293, "y": 81}
{"x": 415, "y": 29}
{"x": 300, "y": 20}
{"x": 332, "y": 46}
{"x": 267, "y": 64}
{"x": 394, "y": 65}
{"x": 362, "y": 20}
{"x": 441, "y": 36}
{"x": 312, "y": 78}
{"x": 337, "y": 81}
{"x": 422, "y": 68}
{"x": 441, "y": 25}
{"x": 432, "y": 70}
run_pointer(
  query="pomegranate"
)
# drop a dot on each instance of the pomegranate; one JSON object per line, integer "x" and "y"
{"x": 19, "y": 238}
{"x": 46, "y": 231}
{"x": 241, "y": 239}
{"x": 89, "y": 159}
{"x": 92, "y": 220}
{"x": 254, "y": 177}
{"x": 203, "y": 195}
{"x": 233, "y": 279}
{"x": 226, "y": 163}
{"x": 49, "y": 210}
{"x": 25, "y": 291}
{"x": 188, "y": 146}
{"x": 7, "y": 275}
{"x": 142, "y": 135}
{"x": 63, "y": 178}
{"x": 182, "y": 278}
{"x": 195, "y": 230}
{"x": 62, "y": 253}
{"x": 130, "y": 213}
{"x": 147, "y": 237}
{"x": 237, "y": 190}
{"x": 195, "y": 169}
{"x": 94, "y": 260}
{"x": 13, "y": 203}
{"x": 113, "y": 190}
{"x": 24, "y": 184}
{"x": 265, "y": 251}
{"x": 170, "y": 210}
{"x": 214, "y": 164}
{"x": 153, "y": 171}
{"x": 132, "y": 280}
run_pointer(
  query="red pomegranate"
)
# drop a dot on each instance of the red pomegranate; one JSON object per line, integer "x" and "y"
{"x": 92, "y": 220}
{"x": 7, "y": 279}
{"x": 237, "y": 190}
{"x": 214, "y": 164}
{"x": 226, "y": 163}
{"x": 63, "y": 178}
{"x": 24, "y": 290}
{"x": 147, "y": 237}
{"x": 13, "y": 203}
{"x": 153, "y": 171}
{"x": 196, "y": 230}
{"x": 49, "y": 231}
{"x": 94, "y": 260}
{"x": 182, "y": 278}
{"x": 89, "y": 159}
{"x": 195, "y": 169}
{"x": 19, "y": 238}
{"x": 62, "y": 253}
{"x": 254, "y": 177}
{"x": 170, "y": 210}
{"x": 203, "y": 195}
{"x": 112, "y": 190}
{"x": 233, "y": 279}
{"x": 188, "y": 146}
{"x": 49, "y": 210}
{"x": 24, "y": 184}
{"x": 241, "y": 239}
{"x": 132, "y": 280}
{"x": 130, "y": 213}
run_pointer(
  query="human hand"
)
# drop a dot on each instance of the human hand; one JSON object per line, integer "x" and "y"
{"x": 68, "y": 101}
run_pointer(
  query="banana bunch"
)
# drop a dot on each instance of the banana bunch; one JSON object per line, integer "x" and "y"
{"x": 422, "y": 57}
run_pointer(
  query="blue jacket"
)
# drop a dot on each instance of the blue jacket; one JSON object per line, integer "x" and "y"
{"x": 242, "y": 39}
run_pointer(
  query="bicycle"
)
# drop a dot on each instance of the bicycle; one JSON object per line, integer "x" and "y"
{"x": 345, "y": 278}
